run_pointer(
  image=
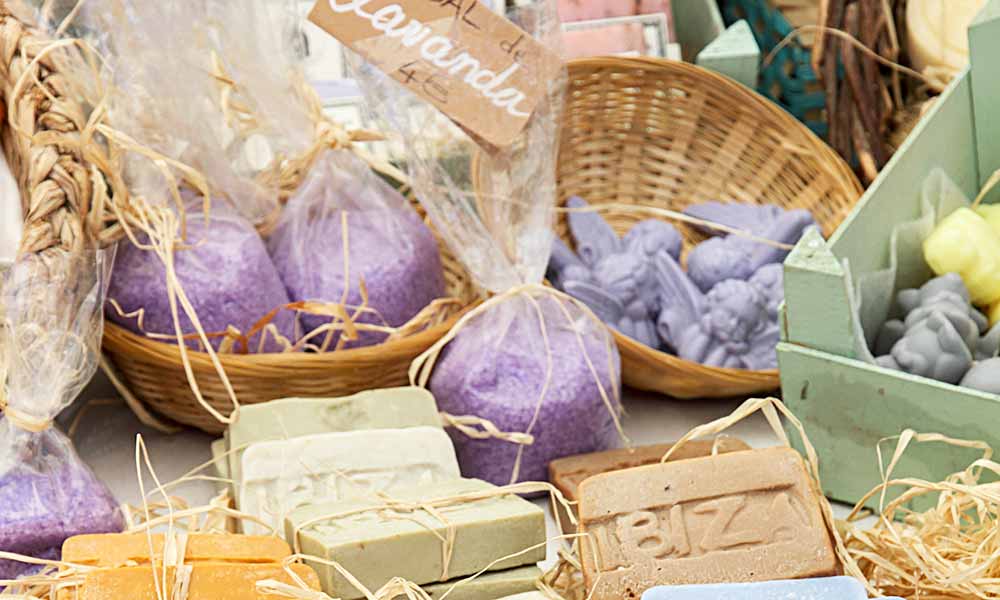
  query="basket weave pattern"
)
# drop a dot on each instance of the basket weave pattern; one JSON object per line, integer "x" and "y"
{"x": 667, "y": 134}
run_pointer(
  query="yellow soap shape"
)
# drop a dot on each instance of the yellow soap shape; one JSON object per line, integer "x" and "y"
{"x": 965, "y": 243}
{"x": 208, "y": 582}
{"x": 990, "y": 212}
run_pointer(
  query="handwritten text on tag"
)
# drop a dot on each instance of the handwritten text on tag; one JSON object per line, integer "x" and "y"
{"x": 477, "y": 67}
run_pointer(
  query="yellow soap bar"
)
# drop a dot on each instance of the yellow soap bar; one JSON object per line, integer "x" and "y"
{"x": 965, "y": 243}
{"x": 119, "y": 549}
{"x": 207, "y": 582}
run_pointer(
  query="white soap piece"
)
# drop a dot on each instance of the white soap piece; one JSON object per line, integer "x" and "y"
{"x": 282, "y": 475}
{"x": 11, "y": 220}
{"x": 526, "y": 596}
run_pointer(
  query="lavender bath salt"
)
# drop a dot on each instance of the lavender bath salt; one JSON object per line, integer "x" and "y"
{"x": 225, "y": 271}
{"x": 47, "y": 494}
{"x": 495, "y": 368}
{"x": 387, "y": 246}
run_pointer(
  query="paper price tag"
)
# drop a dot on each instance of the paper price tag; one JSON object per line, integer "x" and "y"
{"x": 477, "y": 67}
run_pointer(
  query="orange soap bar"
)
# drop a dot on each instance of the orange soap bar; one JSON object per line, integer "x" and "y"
{"x": 118, "y": 549}
{"x": 207, "y": 582}
{"x": 732, "y": 518}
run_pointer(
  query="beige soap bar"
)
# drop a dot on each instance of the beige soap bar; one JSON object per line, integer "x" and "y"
{"x": 732, "y": 518}
{"x": 118, "y": 549}
{"x": 207, "y": 582}
{"x": 288, "y": 418}
{"x": 568, "y": 473}
{"x": 282, "y": 475}
{"x": 376, "y": 545}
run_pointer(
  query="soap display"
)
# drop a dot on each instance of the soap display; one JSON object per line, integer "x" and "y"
{"x": 296, "y": 417}
{"x": 569, "y": 472}
{"x": 733, "y": 518}
{"x": 721, "y": 312}
{"x": 375, "y": 543}
{"x": 281, "y": 475}
{"x": 823, "y": 588}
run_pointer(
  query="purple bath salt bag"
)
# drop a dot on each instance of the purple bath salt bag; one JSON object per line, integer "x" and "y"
{"x": 50, "y": 334}
{"x": 226, "y": 273}
{"x": 530, "y": 360}
{"x": 498, "y": 368}
{"x": 387, "y": 247}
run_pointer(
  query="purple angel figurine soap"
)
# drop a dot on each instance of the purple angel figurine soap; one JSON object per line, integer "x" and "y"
{"x": 739, "y": 257}
{"x": 728, "y": 327}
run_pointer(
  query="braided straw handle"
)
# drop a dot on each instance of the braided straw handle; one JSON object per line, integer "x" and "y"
{"x": 45, "y": 138}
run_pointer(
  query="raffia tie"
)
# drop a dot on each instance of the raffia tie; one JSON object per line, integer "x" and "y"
{"x": 422, "y": 367}
{"x": 20, "y": 419}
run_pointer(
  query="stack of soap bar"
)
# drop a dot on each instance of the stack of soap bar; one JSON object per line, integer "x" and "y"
{"x": 488, "y": 586}
{"x": 223, "y": 567}
{"x": 824, "y": 588}
{"x": 296, "y": 417}
{"x": 732, "y": 518}
{"x": 568, "y": 473}
{"x": 377, "y": 545}
{"x": 282, "y": 475}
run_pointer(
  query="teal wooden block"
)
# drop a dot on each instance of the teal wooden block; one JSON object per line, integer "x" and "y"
{"x": 735, "y": 54}
{"x": 848, "y": 405}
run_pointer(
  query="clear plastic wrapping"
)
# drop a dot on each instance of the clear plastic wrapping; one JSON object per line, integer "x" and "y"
{"x": 217, "y": 85}
{"x": 50, "y": 339}
{"x": 530, "y": 360}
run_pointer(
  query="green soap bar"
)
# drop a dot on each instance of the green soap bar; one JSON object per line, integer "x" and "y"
{"x": 488, "y": 586}
{"x": 375, "y": 546}
{"x": 297, "y": 417}
{"x": 220, "y": 466}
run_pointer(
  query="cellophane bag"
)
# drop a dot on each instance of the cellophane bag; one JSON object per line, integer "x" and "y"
{"x": 344, "y": 237}
{"x": 530, "y": 360}
{"x": 50, "y": 339}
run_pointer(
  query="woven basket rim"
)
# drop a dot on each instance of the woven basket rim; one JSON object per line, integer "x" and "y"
{"x": 837, "y": 170}
{"x": 117, "y": 336}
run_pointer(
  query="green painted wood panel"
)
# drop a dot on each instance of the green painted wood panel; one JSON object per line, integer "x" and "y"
{"x": 848, "y": 406}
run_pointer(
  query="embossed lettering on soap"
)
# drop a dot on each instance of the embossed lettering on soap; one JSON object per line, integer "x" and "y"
{"x": 746, "y": 516}
{"x": 478, "y": 68}
{"x": 701, "y": 527}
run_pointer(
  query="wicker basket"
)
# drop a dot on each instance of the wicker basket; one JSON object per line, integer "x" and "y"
{"x": 667, "y": 134}
{"x": 151, "y": 373}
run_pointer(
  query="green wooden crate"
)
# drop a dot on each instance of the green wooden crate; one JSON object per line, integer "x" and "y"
{"x": 847, "y": 405}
